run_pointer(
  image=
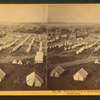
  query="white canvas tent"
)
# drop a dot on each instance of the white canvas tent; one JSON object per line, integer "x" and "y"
{"x": 39, "y": 57}
{"x": 80, "y": 75}
{"x": 20, "y": 62}
{"x": 1, "y": 48}
{"x": 2, "y": 74}
{"x": 34, "y": 79}
{"x": 56, "y": 72}
{"x": 14, "y": 61}
{"x": 96, "y": 61}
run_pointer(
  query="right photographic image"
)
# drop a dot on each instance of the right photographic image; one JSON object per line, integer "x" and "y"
{"x": 73, "y": 47}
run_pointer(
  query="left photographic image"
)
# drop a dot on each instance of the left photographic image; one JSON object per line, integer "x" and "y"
{"x": 23, "y": 47}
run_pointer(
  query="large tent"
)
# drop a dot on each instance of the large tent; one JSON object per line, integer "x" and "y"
{"x": 80, "y": 75}
{"x": 34, "y": 79}
{"x": 56, "y": 72}
{"x": 2, "y": 74}
{"x": 39, "y": 57}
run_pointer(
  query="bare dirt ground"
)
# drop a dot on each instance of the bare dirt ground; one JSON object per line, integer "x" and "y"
{"x": 72, "y": 63}
{"x": 16, "y": 74}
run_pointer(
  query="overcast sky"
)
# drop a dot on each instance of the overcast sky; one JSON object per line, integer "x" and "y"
{"x": 22, "y": 13}
{"x": 51, "y": 13}
{"x": 74, "y": 13}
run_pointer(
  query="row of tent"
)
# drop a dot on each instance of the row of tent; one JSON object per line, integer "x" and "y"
{"x": 33, "y": 79}
{"x": 78, "y": 76}
{"x": 74, "y": 46}
{"x": 20, "y": 44}
{"x": 69, "y": 45}
{"x": 39, "y": 55}
{"x": 60, "y": 45}
{"x": 77, "y": 45}
{"x": 93, "y": 44}
{"x": 30, "y": 46}
{"x": 96, "y": 49}
{"x": 19, "y": 62}
{"x": 53, "y": 40}
{"x": 64, "y": 35}
{"x": 86, "y": 47}
{"x": 50, "y": 41}
{"x": 78, "y": 39}
{"x": 8, "y": 45}
{"x": 2, "y": 42}
{"x": 80, "y": 50}
{"x": 41, "y": 44}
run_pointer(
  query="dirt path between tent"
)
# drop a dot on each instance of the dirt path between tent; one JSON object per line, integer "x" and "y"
{"x": 87, "y": 60}
{"x": 11, "y": 58}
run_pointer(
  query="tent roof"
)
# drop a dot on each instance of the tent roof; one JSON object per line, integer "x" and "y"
{"x": 20, "y": 61}
{"x": 38, "y": 77}
{"x": 96, "y": 60}
{"x": 2, "y": 73}
{"x": 82, "y": 72}
{"x": 59, "y": 69}
{"x": 28, "y": 77}
{"x": 32, "y": 75}
{"x": 14, "y": 61}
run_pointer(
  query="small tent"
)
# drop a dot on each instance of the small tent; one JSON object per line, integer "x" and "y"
{"x": 80, "y": 75}
{"x": 14, "y": 61}
{"x": 2, "y": 74}
{"x": 77, "y": 52}
{"x": 56, "y": 72}
{"x": 65, "y": 48}
{"x": 41, "y": 43}
{"x": 39, "y": 57}
{"x": 20, "y": 62}
{"x": 34, "y": 79}
{"x": 96, "y": 61}
{"x": 40, "y": 49}
{"x": 59, "y": 46}
{"x": 50, "y": 47}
